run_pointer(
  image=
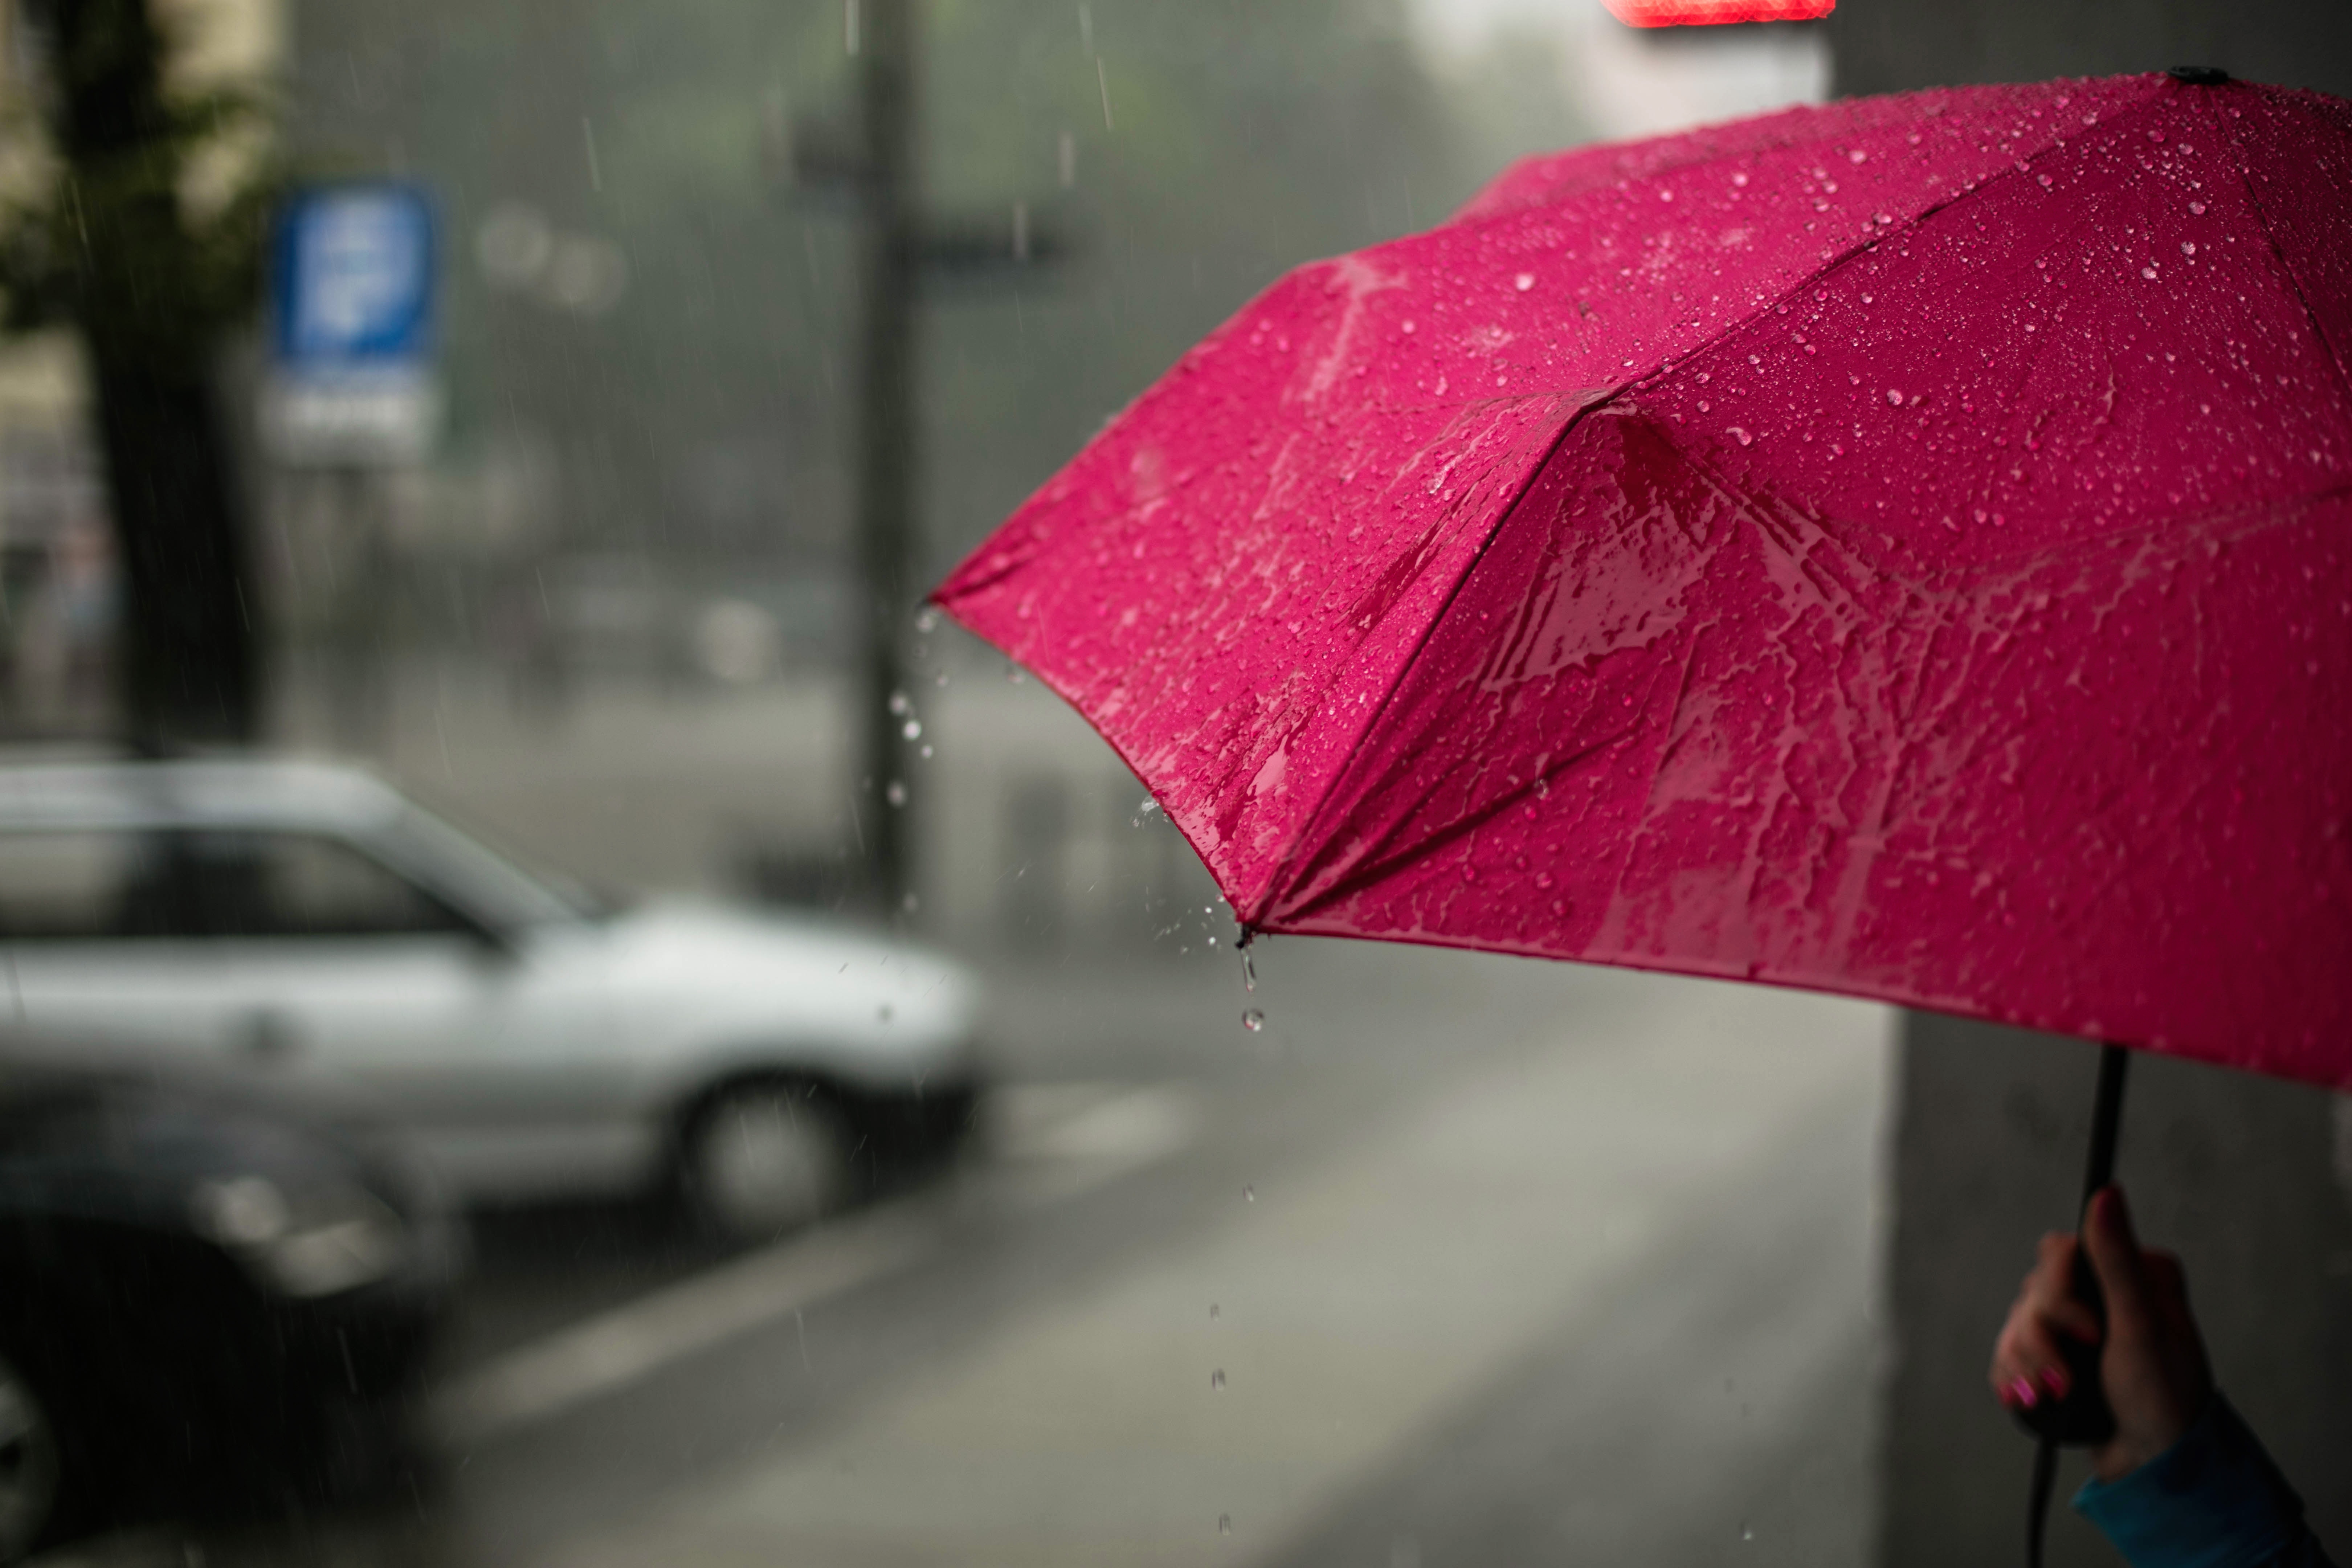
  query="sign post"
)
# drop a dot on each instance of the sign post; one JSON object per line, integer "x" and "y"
{"x": 351, "y": 392}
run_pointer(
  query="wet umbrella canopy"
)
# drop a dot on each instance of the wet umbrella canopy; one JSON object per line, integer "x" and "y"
{"x": 1898, "y": 548}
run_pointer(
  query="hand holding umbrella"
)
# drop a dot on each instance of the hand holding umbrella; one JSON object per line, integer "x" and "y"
{"x": 2150, "y": 1361}
{"x": 2181, "y": 1480}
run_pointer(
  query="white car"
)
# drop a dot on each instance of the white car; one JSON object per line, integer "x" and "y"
{"x": 307, "y": 921}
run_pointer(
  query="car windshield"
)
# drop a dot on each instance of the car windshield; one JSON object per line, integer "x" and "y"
{"x": 489, "y": 886}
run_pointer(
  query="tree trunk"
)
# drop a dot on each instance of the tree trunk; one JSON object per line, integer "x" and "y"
{"x": 190, "y": 669}
{"x": 191, "y": 673}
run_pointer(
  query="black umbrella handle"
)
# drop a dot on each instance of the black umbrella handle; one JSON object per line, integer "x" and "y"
{"x": 2082, "y": 1419}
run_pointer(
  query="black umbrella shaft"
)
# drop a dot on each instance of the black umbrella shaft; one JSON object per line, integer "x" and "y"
{"x": 2106, "y": 1116}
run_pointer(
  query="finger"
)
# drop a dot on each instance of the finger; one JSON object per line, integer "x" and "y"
{"x": 2168, "y": 1282}
{"x": 2115, "y": 1255}
{"x": 2052, "y": 1279}
{"x": 2027, "y": 1365}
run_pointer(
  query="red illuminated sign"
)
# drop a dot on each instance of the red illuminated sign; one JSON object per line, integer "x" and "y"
{"x": 1715, "y": 12}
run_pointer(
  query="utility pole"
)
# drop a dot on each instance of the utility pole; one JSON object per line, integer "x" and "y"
{"x": 882, "y": 37}
{"x": 868, "y": 157}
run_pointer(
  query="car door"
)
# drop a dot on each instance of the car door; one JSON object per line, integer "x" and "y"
{"x": 101, "y": 945}
{"x": 343, "y": 969}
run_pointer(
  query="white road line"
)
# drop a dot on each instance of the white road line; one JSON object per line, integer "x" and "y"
{"x": 1058, "y": 1142}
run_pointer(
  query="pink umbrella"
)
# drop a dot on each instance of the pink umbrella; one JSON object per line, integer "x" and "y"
{"x": 1897, "y": 548}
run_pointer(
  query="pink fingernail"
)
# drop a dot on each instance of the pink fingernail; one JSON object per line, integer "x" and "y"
{"x": 2023, "y": 1389}
{"x": 2053, "y": 1378}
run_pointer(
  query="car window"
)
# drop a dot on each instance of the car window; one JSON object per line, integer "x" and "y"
{"x": 290, "y": 884}
{"x": 80, "y": 886}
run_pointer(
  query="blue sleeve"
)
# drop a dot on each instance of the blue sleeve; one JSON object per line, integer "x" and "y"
{"x": 2214, "y": 1499}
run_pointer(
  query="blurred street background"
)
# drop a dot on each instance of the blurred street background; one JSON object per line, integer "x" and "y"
{"x": 1447, "y": 1259}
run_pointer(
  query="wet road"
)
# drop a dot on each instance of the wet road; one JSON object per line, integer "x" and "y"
{"x": 1458, "y": 1260}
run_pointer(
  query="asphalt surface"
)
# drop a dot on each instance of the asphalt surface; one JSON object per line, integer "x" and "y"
{"x": 1457, "y": 1261}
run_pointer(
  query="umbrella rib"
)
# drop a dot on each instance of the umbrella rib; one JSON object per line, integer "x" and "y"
{"x": 2286, "y": 267}
{"x": 1310, "y": 820}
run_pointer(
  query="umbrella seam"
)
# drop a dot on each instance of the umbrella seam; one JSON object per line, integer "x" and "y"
{"x": 2286, "y": 267}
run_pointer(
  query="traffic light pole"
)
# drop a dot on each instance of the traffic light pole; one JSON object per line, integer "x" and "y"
{"x": 887, "y": 246}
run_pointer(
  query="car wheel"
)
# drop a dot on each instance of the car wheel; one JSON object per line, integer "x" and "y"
{"x": 760, "y": 1159}
{"x": 31, "y": 1472}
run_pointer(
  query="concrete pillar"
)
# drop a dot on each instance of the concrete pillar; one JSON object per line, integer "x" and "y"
{"x": 2240, "y": 1176}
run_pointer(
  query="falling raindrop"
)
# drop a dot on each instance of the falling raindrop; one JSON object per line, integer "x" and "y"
{"x": 1225, "y": 1524}
{"x": 1249, "y": 970}
{"x": 1249, "y": 1195}
{"x": 927, "y": 754}
{"x": 1217, "y": 1378}
{"x": 1746, "y": 1534}
{"x": 901, "y": 704}
{"x": 896, "y": 794}
{"x": 1254, "y": 1019}
{"x": 912, "y": 730}
{"x": 928, "y": 622}
{"x": 1213, "y": 1314}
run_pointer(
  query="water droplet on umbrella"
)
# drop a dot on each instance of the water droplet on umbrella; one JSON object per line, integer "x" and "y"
{"x": 1524, "y": 281}
{"x": 1217, "y": 1378}
{"x": 2197, "y": 210}
{"x": 1894, "y": 398}
{"x": 1742, "y": 436}
{"x": 896, "y": 794}
{"x": 1254, "y": 1019}
{"x": 2148, "y": 272}
{"x": 2188, "y": 248}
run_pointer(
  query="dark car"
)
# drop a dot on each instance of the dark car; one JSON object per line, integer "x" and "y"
{"x": 203, "y": 1296}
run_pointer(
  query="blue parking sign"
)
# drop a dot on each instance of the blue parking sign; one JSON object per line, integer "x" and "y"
{"x": 352, "y": 302}
{"x": 354, "y": 280}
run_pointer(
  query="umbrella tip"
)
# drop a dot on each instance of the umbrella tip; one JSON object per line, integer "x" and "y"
{"x": 2198, "y": 76}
